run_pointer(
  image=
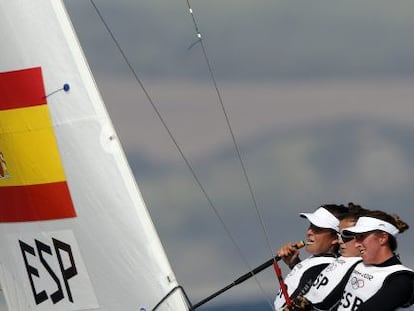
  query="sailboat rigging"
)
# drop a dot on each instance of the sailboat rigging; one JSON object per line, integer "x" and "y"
{"x": 252, "y": 271}
{"x": 199, "y": 41}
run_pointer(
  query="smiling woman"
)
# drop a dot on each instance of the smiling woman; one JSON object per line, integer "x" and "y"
{"x": 386, "y": 283}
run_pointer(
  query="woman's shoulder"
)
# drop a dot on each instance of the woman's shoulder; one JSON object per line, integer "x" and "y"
{"x": 403, "y": 277}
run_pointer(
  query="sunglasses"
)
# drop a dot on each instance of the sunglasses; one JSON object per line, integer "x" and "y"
{"x": 345, "y": 238}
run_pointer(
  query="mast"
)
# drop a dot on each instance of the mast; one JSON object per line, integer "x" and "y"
{"x": 75, "y": 232}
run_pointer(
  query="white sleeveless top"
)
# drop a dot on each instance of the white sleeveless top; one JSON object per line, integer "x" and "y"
{"x": 364, "y": 282}
{"x": 292, "y": 280}
{"x": 330, "y": 278}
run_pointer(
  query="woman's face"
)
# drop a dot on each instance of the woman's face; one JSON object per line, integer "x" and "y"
{"x": 347, "y": 246}
{"x": 320, "y": 240}
{"x": 369, "y": 245}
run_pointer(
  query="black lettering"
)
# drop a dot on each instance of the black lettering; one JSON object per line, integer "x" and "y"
{"x": 25, "y": 248}
{"x": 316, "y": 282}
{"x": 356, "y": 304}
{"x": 70, "y": 271}
{"x": 43, "y": 248}
{"x": 323, "y": 282}
{"x": 346, "y": 301}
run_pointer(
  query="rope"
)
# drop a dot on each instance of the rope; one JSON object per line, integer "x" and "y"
{"x": 236, "y": 145}
{"x": 187, "y": 162}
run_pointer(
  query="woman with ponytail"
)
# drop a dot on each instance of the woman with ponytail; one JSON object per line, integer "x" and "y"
{"x": 380, "y": 281}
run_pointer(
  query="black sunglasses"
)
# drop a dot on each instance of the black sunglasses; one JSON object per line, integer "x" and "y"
{"x": 345, "y": 238}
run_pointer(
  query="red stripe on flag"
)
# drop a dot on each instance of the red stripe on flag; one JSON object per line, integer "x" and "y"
{"x": 35, "y": 202}
{"x": 21, "y": 88}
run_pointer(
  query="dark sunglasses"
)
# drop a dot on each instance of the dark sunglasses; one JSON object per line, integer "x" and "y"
{"x": 345, "y": 238}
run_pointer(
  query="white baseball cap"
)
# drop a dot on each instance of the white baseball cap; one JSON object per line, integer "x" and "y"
{"x": 367, "y": 224}
{"x": 322, "y": 218}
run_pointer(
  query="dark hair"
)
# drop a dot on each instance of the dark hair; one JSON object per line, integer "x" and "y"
{"x": 337, "y": 210}
{"x": 392, "y": 219}
{"x": 354, "y": 212}
{"x": 340, "y": 211}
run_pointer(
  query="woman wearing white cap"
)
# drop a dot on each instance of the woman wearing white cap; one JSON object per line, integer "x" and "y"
{"x": 321, "y": 243}
{"x": 380, "y": 282}
{"x": 326, "y": 290}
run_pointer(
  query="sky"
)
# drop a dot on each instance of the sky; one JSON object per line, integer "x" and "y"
{"x": 319, "y": 97}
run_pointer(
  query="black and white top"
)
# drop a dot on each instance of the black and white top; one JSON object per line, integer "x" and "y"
{"x": 326, "y": 290}
{"x": 385, "y": 287}
{"x": 302, "y": 276}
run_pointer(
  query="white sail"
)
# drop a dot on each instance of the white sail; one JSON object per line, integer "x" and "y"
{"x": 75, "y": 233}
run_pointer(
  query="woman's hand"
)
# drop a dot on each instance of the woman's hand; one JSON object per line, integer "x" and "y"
{"x": 289, "y": 254}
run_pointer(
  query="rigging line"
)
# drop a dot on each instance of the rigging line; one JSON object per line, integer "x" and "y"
{"x": 210, "y": 202}
{"x": 236, "y": 146}
{"x": 266, "y": 235}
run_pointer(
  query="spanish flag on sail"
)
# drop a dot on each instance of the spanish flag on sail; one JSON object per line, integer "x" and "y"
{"x": 32, "y": 181}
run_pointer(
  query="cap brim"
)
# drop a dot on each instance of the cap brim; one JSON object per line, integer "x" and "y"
{"x": 322, "y": 218}
{"x": 368, "y": 224}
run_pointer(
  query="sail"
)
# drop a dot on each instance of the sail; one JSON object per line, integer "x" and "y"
{"x": 75, "y": 232}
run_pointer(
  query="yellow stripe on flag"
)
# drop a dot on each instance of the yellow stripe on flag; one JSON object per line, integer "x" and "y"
{"x": 32, "y": 182}
{"x": 28, "y": 143}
